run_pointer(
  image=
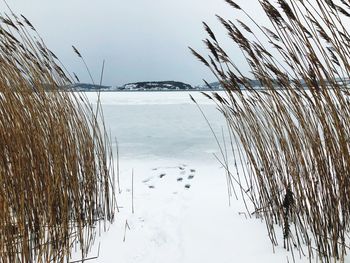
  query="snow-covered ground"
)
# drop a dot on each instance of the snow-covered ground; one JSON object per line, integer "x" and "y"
{"x": 181, "y": 212}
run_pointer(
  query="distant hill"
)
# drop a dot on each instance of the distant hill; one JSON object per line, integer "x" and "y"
{"x": 156, "y": 85}
{"x": 217, "y": 86}
{"x": 212, "y": 86}
{"x": 88, "y": 87}
{"x": 257, "y": 85}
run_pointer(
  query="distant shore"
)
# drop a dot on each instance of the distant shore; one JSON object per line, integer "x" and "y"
{"x": 146, "y": 91}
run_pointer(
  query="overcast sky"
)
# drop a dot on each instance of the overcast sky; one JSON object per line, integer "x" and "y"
{"x": 141, "y": 40}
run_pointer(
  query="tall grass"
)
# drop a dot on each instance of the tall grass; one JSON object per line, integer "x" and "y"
{"x": 55, "y": 173}
{"x": 292, "y": 137}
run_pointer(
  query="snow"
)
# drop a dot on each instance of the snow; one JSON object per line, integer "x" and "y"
{"x": 163, "y": 137}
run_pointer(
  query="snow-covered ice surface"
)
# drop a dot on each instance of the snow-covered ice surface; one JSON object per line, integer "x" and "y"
{"x": 181, "y": 212}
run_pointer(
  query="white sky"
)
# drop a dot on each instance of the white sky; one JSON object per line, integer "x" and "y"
{"x": 141, "y": 40}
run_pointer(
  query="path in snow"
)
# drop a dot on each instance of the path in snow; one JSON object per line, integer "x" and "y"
{"x": 175, "y": 224}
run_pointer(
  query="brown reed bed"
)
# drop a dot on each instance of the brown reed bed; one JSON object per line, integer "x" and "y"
{"x": 291, "y": 140}
{"x": 55, "y": 167}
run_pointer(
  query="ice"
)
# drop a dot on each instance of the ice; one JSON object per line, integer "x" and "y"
{"x": 160, "y": 124}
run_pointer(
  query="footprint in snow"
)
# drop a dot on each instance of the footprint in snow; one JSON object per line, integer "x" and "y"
{"x": 179, "y": 179}
{"x": 147, "y": 180}
{"x": 187, "y": 186}
{"x": 191, "y": 176}
{"x": 151, "y": 187}
{"x": 162, "y": 175}
{"x": 193, "y": 170}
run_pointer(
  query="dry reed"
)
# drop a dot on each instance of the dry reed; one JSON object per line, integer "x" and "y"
{"x": 55, "y": 167}
{"x": 291, "y": 139}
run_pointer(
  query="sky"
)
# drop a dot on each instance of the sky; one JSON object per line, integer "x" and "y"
{"x": 140, "y": 40}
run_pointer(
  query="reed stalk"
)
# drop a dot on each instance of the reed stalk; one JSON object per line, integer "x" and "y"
{"x": 293, "y": 135}
{"x": 55, "y": 167}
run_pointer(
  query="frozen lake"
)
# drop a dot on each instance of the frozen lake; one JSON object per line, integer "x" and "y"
{"x": 153, "y": 125}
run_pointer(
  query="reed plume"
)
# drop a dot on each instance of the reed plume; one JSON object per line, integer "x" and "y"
{"x": 55, "y": 166}
{"x": 292, "y": 136}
